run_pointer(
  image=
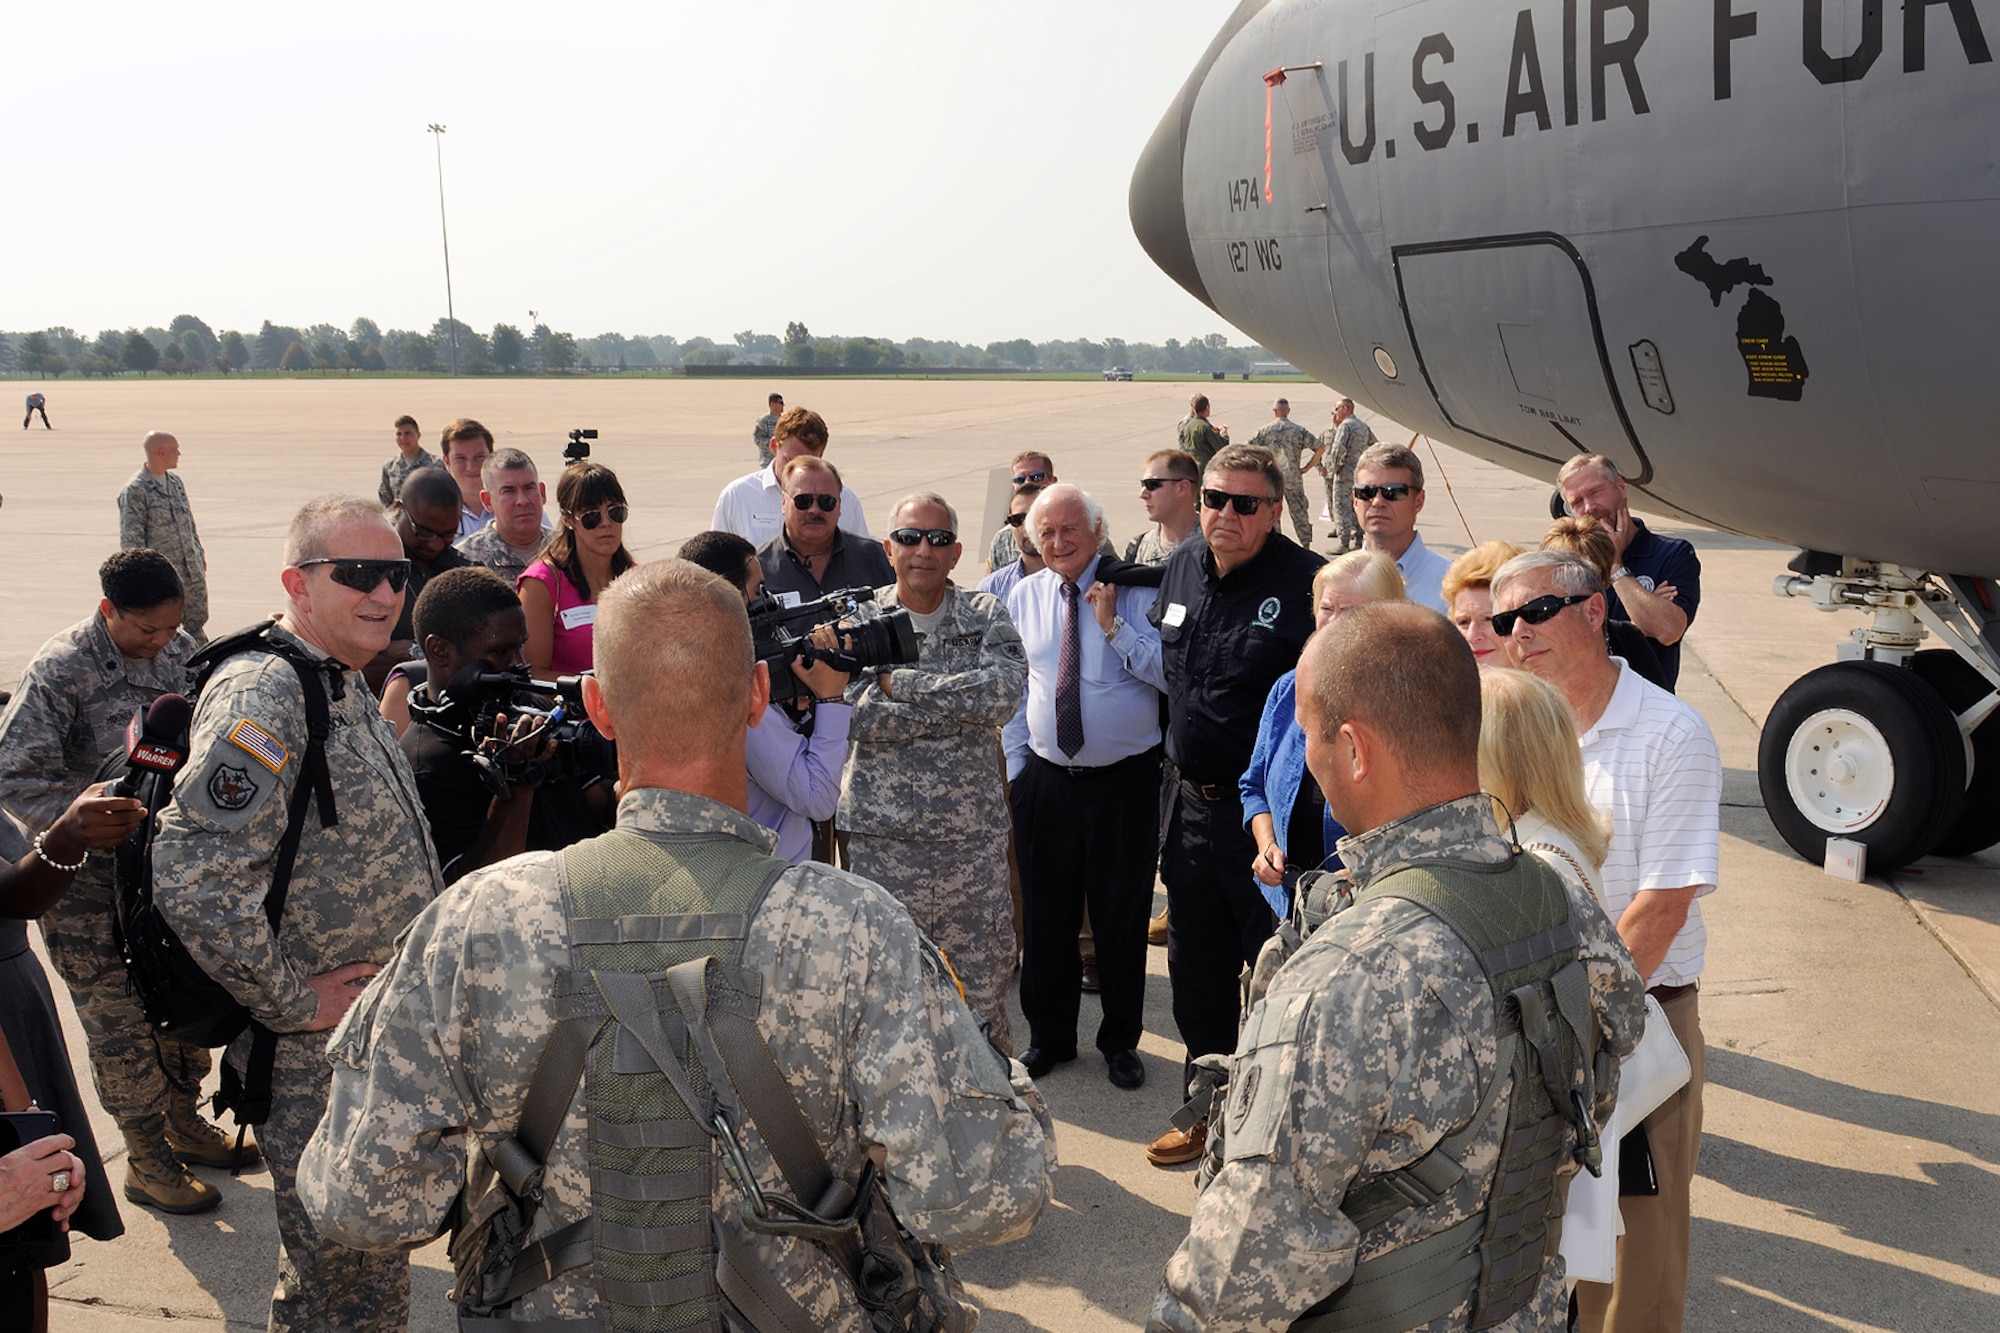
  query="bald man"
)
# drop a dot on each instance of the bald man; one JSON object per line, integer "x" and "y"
{"x": 153, "y": 511}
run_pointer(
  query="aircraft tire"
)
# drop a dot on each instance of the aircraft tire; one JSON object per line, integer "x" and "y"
{"x": 1862, "y": 750}
{"x": 1978, "y": 824}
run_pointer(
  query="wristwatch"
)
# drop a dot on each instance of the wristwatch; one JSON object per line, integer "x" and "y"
{"x": 1117, "y": 623}
{"x": 1620, "y": 572}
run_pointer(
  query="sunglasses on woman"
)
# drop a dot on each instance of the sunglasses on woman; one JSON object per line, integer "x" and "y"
{"x": 590, "y": 522}
{"x": 1538, "y": 612}
{"x": 363, "y": 575}
{"x": 935, "y": 536}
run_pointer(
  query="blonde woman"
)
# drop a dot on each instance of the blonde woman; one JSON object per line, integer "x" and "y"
{"x": 1530, "y": 765}
{"x": 1282, "y": 805}
{"x": 1468, "y": 597}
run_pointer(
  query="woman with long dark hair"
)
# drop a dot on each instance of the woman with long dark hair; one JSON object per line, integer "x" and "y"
{"x": 559, "y": 591}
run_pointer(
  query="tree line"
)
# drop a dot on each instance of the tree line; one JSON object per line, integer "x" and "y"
{"x": 188, "y": 345}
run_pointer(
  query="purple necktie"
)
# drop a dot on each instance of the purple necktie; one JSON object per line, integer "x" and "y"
{"x": 1069, "y": 676}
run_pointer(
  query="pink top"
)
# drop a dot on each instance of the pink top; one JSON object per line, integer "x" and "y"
{"x": 576, "y": 619}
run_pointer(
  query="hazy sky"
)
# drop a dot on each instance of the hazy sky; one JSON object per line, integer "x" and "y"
{"x": 949, "y": 170}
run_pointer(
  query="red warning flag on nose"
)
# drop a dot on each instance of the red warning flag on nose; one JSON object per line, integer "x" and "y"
{"x": 1271, "y": 81}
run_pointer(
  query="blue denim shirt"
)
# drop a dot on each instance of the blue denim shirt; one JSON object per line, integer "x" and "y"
{"x": 1270, "y": 786}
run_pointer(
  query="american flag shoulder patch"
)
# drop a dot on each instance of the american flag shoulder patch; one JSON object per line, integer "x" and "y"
{"x": 259, "y": 744}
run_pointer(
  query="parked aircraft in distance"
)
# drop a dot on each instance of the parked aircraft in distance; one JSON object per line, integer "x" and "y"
{"x": 1744, "y": 249}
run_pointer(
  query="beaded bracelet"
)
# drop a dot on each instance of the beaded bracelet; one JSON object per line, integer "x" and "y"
{"x": 54, "y": 864}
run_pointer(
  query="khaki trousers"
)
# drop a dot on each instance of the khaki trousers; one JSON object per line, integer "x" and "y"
{"x": 1650, "y": 1294}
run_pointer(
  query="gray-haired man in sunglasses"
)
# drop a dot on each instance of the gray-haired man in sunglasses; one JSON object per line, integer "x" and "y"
{"x": 364, "y": 865}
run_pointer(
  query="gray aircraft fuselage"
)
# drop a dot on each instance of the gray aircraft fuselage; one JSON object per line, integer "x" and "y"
{"x": 1746, "y": 248}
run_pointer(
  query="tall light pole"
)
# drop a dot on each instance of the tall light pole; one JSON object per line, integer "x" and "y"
{"x": 450, "y": 314}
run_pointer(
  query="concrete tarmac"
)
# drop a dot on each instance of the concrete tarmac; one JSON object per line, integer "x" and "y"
{"x": 1850, "y": 1172}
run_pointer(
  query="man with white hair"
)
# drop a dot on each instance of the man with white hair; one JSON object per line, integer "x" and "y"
{"x": 1083, "y": 761}
{"x": 1650, "y": 763}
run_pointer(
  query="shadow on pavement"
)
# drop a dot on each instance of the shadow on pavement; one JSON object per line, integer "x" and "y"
{"x": 1780, "y": 1284}
{"x": 1975, "y": 1133}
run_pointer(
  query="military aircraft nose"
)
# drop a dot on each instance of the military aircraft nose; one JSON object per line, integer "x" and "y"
{"x": 1159, "y": 217}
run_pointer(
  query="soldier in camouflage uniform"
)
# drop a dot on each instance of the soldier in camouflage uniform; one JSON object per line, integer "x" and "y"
{"x": 353, "y": 888}
{"x": 1030, "y": 469}
{"x": 410, "y": 456}
{"x": 153, "y": 512}
{"x": 766, "y": 426}
{"x": 1339, "y": 450}
{"x": 434, "y": 1063}
{"x": 922, "y": 803}
{"x": 66, "y": 722}
{"x": 1377, "y": 1038}
{"x": 1197, "y": 436}
{"x": 1291, "y": 443}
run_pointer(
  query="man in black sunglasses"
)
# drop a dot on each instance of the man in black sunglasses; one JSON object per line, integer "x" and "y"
{"x": 363, "y": 869}
{"x": 1030, "y": 469}
{"x": 1388, "y": 496}
{"x": 812, "y": 554}
{"x": 426, "y": 517}
{"x": 1233, "y": 612}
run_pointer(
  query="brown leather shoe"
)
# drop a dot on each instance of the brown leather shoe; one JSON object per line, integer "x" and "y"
{"x": 1091, "y": 985}
{"x": 175, "y": 1193}
{"x": 1156, "y": 929}
{"x": 1175, "y": 1147}
{"x": 199, "y": 1143}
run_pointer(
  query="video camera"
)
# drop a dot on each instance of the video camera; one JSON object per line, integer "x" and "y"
{"x": 577, "y": 450}
{"x": 875, "y": 638}
{"x": 470, "y": 705}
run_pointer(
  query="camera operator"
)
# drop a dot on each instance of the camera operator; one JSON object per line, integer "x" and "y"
{"x": 794, "y": 776}
{"x": 471, "y": 617}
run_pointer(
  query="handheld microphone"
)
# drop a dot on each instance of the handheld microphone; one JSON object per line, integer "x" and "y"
{"x": 153, "y": 741}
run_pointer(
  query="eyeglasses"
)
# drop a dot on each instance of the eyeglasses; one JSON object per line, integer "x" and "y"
{"x": 1016, "y": 520}
{"x": 1242, "y": 504}
{"x": 1023, "y": 478}
{"x": 424, "y": 534}
{"x": 805, "y": 500}
{"x": 363, "y": 575}
{"x": 1154, "y": 483}
{"x": 935, "y": 536}
{"x": 1538, "y": 612}
{"x": 1395, "y": 490}
{"x": 590, "y": 522}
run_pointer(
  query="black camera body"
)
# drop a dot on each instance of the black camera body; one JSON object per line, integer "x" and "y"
{"x": 875, "y": 638}
{"x": 578, "y": 447}
{"x": 467, "y": 710}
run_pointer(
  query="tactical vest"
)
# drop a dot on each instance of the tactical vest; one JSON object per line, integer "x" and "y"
{"x": 1515, "y": 920}
{"x": 656, "y": 1017}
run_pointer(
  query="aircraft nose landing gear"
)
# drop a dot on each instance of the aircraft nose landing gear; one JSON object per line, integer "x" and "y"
{"x": 1895, "y": 748}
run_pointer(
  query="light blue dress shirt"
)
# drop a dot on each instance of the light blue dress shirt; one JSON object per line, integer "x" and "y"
{"x": 795, "y": 779}
{"x": 1423, "y": 572}
{"x": 1121, "y": 678}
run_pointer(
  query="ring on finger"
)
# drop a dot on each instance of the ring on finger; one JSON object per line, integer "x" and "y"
{"x": 59, "y": 1183}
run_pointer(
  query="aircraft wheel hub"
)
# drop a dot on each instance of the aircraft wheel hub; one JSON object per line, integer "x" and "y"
{"x": 1839, "y": 770}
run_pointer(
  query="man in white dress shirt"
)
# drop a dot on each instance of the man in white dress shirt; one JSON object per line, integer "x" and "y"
{"x": 753, "y": 506}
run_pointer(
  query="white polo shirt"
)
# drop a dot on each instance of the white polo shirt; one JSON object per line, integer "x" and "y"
{"x": 753, "y": 507}
{"x": 1651, "y": 764}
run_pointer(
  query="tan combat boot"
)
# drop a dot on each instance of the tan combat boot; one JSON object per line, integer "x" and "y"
{"x": 155, "y": 1177}
{"x": 198, "y": 1143}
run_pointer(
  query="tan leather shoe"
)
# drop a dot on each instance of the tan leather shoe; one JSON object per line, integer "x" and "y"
{"x": 1156, "y": 929}
{"x": 202, "y": 1144}
{"x": 1175, "y": 1147}
{"x": 176, "y": 1193}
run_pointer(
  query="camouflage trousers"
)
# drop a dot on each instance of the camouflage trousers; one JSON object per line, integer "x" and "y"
{"x": 134, "y": 1068}
{"x": 1340, "y": 504}
{"x": 956, "y": 892}
{"x": 194, "y": 611}
{"x": 321, "y": 1286}
{"x": 1299, "y": 508}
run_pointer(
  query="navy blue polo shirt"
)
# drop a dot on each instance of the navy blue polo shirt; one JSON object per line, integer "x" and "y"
{"x": 1655, "y": 560}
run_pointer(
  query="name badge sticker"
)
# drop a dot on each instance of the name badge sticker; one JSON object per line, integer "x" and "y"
{"x": 576, "y": 617}
{"x": 1176, "y": 614}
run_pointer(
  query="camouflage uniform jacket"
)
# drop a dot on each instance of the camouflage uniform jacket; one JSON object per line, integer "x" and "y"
{"x": 487, "y": 547}
{"x": 435, "y": 1059}
{"x": 354, "y": 886}
{"x": 920, "y": 759}
{"x": 398, "y": 469}
{"x": 761, "y": 432}
{"x": 1374, "y": 1041}
{"x": 154, "y": 511}
{"x": 1291, "y": 442}
{"x": 69, "y": 713}
{"x": 1343, "y": 446}
{"x": 1201, "y": 439}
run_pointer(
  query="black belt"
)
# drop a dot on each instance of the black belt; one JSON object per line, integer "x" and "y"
{"x": 1668, "y": 994}
{"x": 1092, "y": 770}
{"x": 1214, "y": 792}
